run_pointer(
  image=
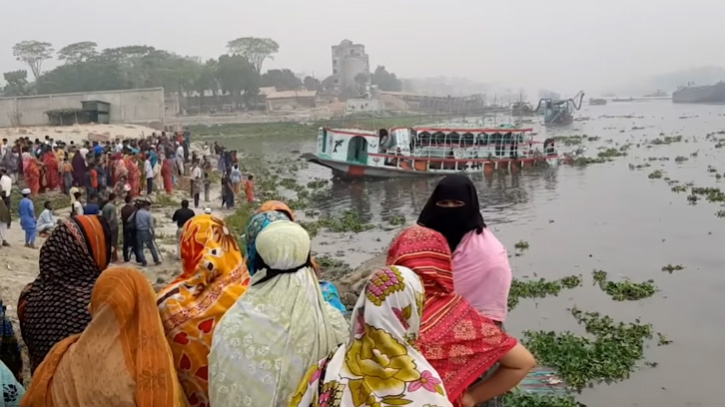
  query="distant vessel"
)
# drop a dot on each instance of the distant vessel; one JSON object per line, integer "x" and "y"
{"x": 630, "y": 99}
{"x": 597, "y": 102}
{"x": 700, "y": 94}
{"x": 659, "y": 94}
{"x": 557, "y": 112}
{"x": 429, "y": 151}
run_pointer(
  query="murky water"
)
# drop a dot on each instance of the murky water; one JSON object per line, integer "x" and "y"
{"x": 577, "y": 219}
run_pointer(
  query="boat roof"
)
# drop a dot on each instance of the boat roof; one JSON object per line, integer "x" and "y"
{"x": 471, "y": 130}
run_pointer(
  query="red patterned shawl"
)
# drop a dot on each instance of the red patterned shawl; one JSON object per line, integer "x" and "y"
{"x": 456, "y": 339}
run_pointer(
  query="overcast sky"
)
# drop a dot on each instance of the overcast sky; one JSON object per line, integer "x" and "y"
{"x": 559, "y": 44}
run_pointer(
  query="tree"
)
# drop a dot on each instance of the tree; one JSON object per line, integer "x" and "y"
{"x": 33, "y": 53}
{"x": 361, "y": 80}
{"x": 312, "y": 83}
{"x": 238, "y": 77}
{"x": 282, "y": 79}
{"x": 94, "y": 74}
{"x": 255, "y": 50}
{"x": 78, "y": 52}
{"x": 206, "y": 80}
{"x": 17, "y": 83}
{"x": 386, "y": 81}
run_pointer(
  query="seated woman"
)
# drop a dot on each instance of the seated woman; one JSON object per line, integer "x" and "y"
{"x": 121, "y": 358}
{"x": 386, "y": 323}
{"x": 266, "y": 342}
{"x": 46, "y": 222}
{"x": 482, "y": 272}
{"x": 213, "y": 278}
{"x": 456, "y": 339}
{"x": 257, "y": 223}
{"x": 55, "y": 305}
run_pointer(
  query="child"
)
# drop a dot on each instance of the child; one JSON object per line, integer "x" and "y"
{"x": 249, "y": 188}
{"x": 207, "y": 185}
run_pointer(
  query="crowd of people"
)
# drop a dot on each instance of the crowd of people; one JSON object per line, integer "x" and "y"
{"x": 255, "y": 326}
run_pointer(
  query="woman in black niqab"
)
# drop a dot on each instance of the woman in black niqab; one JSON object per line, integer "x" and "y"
{"x": 453, "y": 209}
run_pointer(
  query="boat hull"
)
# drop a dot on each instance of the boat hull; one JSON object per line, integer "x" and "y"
{"x": 714, "y": 94}
{"x": 344, "y": 169}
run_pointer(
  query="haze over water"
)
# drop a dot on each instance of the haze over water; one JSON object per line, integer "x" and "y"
{"x": 577, "y": 219}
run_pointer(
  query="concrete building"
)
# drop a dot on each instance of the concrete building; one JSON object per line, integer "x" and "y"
{"x": 348, "y": 61}
{"x": 142, "y": 106}
{"x": 291, "y": 100}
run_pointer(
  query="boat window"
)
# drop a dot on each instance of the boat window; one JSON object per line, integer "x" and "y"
{"x": 507, "y": 138}
{"x": 495, "y": 138}
{"x": 424, "y": 138}
{"x": 454, "y": 138}
{"x": 468, "y": 139}
{"x": 439, "y": 137}
{"x": 483, "y": 139}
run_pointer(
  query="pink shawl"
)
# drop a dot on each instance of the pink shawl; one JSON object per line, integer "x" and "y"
{"x": 482, "y": 274}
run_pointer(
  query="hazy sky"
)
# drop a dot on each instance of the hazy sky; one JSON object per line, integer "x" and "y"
{"x": 559, "y": 44}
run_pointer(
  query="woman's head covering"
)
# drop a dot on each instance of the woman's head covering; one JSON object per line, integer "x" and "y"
{"x": 126, "y": 334}
{"x": 459, "y": 358}
{"x": 454, "y": 222}
{"x": 379, "y": 363}
{"x": 255, "y": 225}
{"x": 9, "y": 347}
{"x": 55, "y": 305}
{"x": 213, "y": 277}
{"x": 277, "y": 206}
{"x": 13, "y": 390}
{"x": 283, "y": 316}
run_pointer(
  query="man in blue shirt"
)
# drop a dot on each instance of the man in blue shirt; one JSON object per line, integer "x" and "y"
{"x": 97, "y": 149}
{"x": 91, "y": 207}
{"x": 145, "y": 234}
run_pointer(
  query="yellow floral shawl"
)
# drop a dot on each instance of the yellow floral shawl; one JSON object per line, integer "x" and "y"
{"x": 214, "y": 276}
{"x": 379, "y": 365}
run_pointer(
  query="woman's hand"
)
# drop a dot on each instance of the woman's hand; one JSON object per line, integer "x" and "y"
{"x": 467, "y": 400}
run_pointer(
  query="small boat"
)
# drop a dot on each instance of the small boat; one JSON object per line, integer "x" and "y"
{"x": 597, "y": 102}
{"x": 630, "y": 99}
{"x": 425, "y": 151}
{"x": 658, "y": 94}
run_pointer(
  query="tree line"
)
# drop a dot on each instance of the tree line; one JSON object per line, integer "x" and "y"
{"x": 237, "y": 73}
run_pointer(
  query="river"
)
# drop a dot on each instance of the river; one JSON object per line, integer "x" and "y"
{"x": 577, "y": 219}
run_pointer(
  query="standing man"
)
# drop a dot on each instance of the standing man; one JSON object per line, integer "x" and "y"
{"x": 180, "y": 217}
{"x": 67, "y": 176}
{"x": 196, "y": 183}
{"x": 180, "y": 158}
{"x": 6, "y": 185}
{"x": 92, "y": 207}
{"x": 109, "y": 213}
{"x": 27, "y": 218}
{"x": 129, "y": 228}
{"x": 145, "y": 234}
{"x": 149, "y": 171}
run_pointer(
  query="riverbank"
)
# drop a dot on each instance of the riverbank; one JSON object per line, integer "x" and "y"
{"x": 77, "y": 133}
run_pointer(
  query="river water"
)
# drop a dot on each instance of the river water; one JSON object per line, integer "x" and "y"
{"x": 577, "y": 219}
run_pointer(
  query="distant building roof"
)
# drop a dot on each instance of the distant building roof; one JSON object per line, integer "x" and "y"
{"x": 267, "y": 90}
{"x": 289, "y": 94}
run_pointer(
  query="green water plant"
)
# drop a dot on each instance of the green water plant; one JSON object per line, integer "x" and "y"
{"x": 624, "y": 290}
{"x": 609, "y": 354}
{"x": 521, "y": 245}
{"x": 397, "y": 220}
{"x": 520, "y": 399}
{"x": 656, "y": 174}
{"x": 670, "y": 268}
{"x": 540, "y": 288}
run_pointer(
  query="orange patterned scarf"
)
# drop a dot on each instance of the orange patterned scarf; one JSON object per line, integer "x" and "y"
{"x": 457, "y": 340}
{"x": 213, "y": 277}
{"x": 127, "y": 337}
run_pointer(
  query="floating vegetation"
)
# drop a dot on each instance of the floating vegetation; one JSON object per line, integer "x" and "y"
{"x": 720, "y": 214}
{"x": 317, "y": 183}
{"x": 611, "y": 153}
{"x": 656, "y": 174}
{"x": 589, "y": 160}
{"x": 680, "y": 159}
{"x": 609, "y": 356}
{"x": 397, "y": 220}
{"x": 349, "y": 221}
{"x": 519, "y": 399}
{"x": 332, "y": 268}
{"x": 666, "y": 140}
{"x": 662, "y": 339}
{"x": 711, "y": 194}
{"x": 624, "y": 290}
{"x": 679, "y": 188}
{"x": 522, "y": 245}
{"x": 540, "y": 288}
{"x": 569, "y": 140}
{"x": 711, "y": 169}
{"x": 670, "y": 268}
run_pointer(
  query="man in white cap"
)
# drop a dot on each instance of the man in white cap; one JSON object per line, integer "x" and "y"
{"x": 27, "y": 218}
{"x": 207, "y": 211}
